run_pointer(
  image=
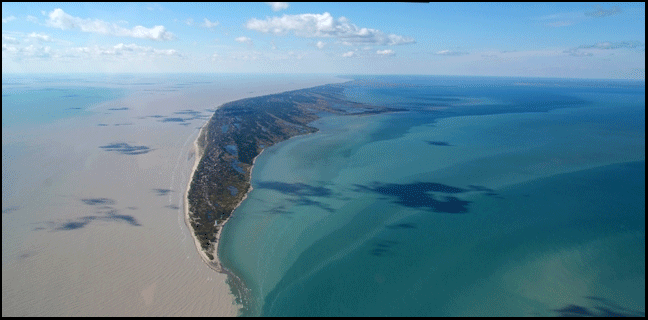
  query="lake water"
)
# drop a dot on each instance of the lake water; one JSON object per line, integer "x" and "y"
{"x": 94, "y": 173}
{"x": 488, "y": 197}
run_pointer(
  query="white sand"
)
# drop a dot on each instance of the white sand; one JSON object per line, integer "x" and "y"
{"x": 110, "y": 265}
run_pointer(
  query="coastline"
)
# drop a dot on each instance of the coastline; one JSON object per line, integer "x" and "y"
{"x": 113, "y": 222}
{"x": 286, "y": 114}
{"x": 198, "y": 155}
{"x": 215, "y": 263}
{"x": 218, "y": 233}
{"x": 200, "y": 147}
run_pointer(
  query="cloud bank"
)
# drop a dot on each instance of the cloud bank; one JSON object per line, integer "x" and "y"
{"x": 613, "y": 45}
{"x": 61, "y": 20}
{"x": 600, "y": 12}
{"x": 278, "y": 6}
{"x": 125, "y": 50}
{"x": 244, "y": 40}
{"x": 209, "y": 24}
{"x": 40, "y": 37}
{"x": 8, "y": 19}
{"x": 310, "y": 25}
{"x": 450, "y": 53}
{"x": 385, "y": 52}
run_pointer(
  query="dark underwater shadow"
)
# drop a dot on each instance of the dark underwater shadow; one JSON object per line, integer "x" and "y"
{"x": 602, "y": 308}
{"x": 11, "y": 209}
{"x": 439, "y": 143}
{"x": 295, "y": 188}
{"x": 422, "y": 195}
{"x": 162, "y": 192}
{"x": 125, "y": 148}
{"x": 103, "y": 212}
{"x": 302, "y": 192}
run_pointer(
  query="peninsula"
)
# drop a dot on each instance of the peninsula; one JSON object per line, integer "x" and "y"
{"x": 235, "y": 135}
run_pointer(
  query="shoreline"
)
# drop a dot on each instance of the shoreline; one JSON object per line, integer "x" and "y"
{"x": 199, "y": 151}
{"x": 216, "y": 264}
{"x": 218, "y": 233}
{"x": 198, "y": 156}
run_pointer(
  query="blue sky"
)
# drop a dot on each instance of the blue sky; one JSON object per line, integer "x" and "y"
{"x": 572, "y": 40}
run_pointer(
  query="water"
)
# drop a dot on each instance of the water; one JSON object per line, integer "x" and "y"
{"x": 92, "y": 216}
{"x": 490, "y": 196}
{"x": 45, "y": 104}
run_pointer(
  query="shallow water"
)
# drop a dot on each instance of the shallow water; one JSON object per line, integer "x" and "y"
{"x": 486, "y": 198}
{"x": 93, "y": 218}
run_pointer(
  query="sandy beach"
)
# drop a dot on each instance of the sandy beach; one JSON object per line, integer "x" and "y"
{"x": 97, "y": 224}
{"x": 215, "y": 263}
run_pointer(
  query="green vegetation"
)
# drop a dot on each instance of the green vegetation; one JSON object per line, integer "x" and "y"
{"x": 227, "y": 157}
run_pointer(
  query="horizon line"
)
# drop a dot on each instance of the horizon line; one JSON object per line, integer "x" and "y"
{"x": 322, "y": 73}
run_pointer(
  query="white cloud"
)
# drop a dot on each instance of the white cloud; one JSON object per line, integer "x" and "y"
{"x": 277, "y": 6}
{"x": 9, "y": 40}
{"x": 514, "y": 55}
{"x": 209, "y": 24}
{"x": 600, "y": 12}
{"x": 61, "y": 20}
{"x": 291, "y": 54}
{"x": 28, "y": 52}
{"x": 613, "y": 45}
{"x": 32, "y": 19}
{"x": 591, "y": 50}
{"x": 8, "y": 49}
{"x": 244, "y": 40}
{"x": 578, "y": 53}
{"x": 40, "y": 37}
{"x": 310, "y": 25}
{"x": 189, "y": 22}
{"x": 36, "y": 51}
{"x": 8, "y": 19}
{"x": 385, "y": 52}
{"x": 134, "y": 47}
{"x": 157, "y": 6}
{"x": 122, "y": 51}
{"x": 450, "y": 53}
{"x": 246, "y": 56}
{"x": 348, "y": 54}
{"x": 320, "y": 44}
{"x": 299, "y": 56}
{"x": 562, "y": 19}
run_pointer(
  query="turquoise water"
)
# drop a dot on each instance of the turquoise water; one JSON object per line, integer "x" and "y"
{"x": 35, "y": 99}
{"x": 488, "y": 197}
{"x": 47, "y": 103}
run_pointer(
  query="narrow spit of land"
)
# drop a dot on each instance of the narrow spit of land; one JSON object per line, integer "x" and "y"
{"x": 232, "y": 139}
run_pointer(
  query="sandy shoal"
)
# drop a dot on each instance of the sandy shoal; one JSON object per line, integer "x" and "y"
{"x": 125, "y": 250}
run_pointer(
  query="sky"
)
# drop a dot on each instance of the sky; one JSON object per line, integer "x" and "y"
{"x": 555, "y": 40}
